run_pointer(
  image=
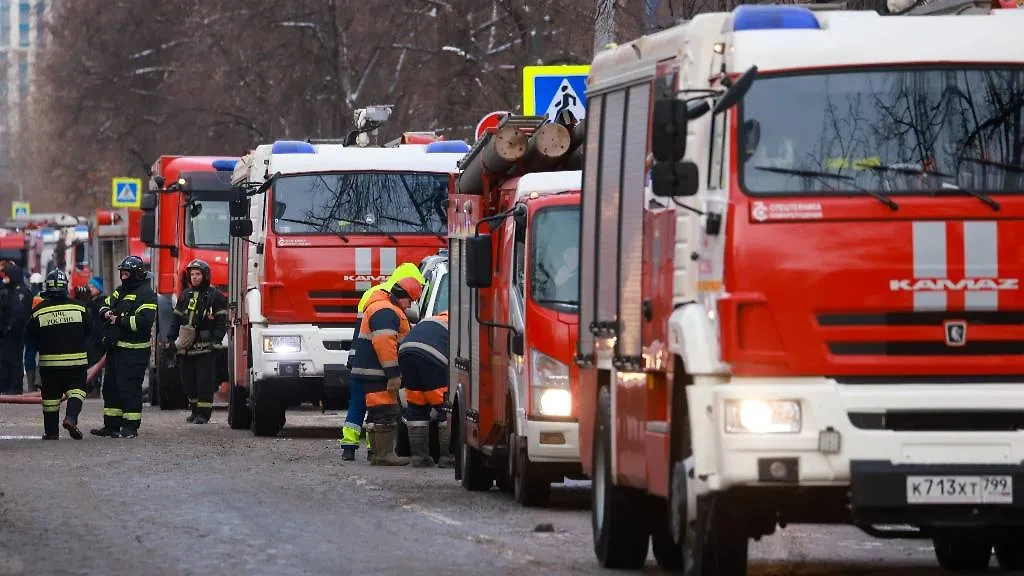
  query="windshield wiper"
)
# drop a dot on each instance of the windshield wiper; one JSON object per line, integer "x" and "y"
{"x": 823, "y": 176}
{"x": 423, "y": 217}
{"x": 315, "y": 224}
{"x": 411, "y": 223}
{"x": 1017, "y": 168}
{"x": 556, "y": 301}
{"x": 980, "y": 196}
{"x": 390, "y": 236}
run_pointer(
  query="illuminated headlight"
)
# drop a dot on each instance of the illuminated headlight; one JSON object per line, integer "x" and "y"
{"x": 549, "y": 384}
{"x": 282, "y": 344}
{"x": 762, "y": 416}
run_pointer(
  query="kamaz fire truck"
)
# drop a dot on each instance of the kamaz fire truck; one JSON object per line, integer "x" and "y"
{"x": 185, "y": 216}
{"x": 814, "y": 315}
{"x": 316, "y": 225}
{"x": 513, "y": 310}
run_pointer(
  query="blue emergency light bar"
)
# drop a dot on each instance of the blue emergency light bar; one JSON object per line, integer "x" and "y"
{"x": 292, "y": 147}
{"x": 767, "y": 17}
{"x": 447, "y": 147}
{"x": 224, "y": 165}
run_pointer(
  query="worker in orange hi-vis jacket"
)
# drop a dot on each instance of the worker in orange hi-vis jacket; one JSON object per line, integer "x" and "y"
{"x": 375, "y": 364}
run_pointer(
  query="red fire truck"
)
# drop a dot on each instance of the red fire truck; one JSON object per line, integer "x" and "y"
{"x": 316, "y": 226}
{"x": 184, "y": 216}
{"x": 805, "y": 308}
{"x": 513, "y": 316}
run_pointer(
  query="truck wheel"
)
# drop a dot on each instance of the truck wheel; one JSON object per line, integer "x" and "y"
{"x": 476, "y": 476}
{"x": 154, "y": 397}
{"x": 506, "y": 478}
{"x": 962, "y": 551}
{"x": 716, "y": 542}
{"x": 239, "y": 417}
{"x": 667, "y": 552}
{"x": 266, "y": 415}
{"x": 617, "y": 512}
{"x": 529, "y": 490}
{"x": 1009, "y": 552}
{"x": 168, "y": 384}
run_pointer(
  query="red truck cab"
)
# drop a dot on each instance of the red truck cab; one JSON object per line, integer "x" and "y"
{"x": 184, "y": 216}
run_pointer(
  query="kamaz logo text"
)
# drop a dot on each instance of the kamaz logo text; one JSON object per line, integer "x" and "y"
{"x": 365, "y": 278}
{"x": 947, "y": 285}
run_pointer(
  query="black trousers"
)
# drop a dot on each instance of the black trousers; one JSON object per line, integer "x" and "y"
{"x": 12, "y": 364}
{"x": 199, "y": 377}
{"x": 55, "y": 382}
{"x": 122, "y": 387}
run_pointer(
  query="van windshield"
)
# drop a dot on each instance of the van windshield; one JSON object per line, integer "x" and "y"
{"x": 361, "y": 203}
{"x": 896, "y": 131}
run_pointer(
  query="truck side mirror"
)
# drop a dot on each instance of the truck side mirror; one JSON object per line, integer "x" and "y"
{"x": 147, "y": 228}
{"x": 674, "y": 179}
{"x": 737, "y": 90}
{"x": 239, "y": 206}
{"x": 668, "y": 141}
{"x": 515, "y": 343}
{"x": 148, "y": 202}
{"x": 241, "y": 228}
{"x": 478, "y": 261}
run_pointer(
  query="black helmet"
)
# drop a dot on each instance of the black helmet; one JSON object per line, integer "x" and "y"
{"x": 56, "y": 284}
{"x": 200, "y": 265}
{"x": 133, "y": 264}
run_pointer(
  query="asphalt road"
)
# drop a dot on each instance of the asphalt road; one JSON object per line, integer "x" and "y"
{"x": 184, "y": 499}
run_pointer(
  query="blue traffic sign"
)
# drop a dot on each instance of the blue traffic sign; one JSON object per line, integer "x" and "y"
{"x": 20, "y": 210}
{"x": 548, "y": 90}
{"x": 126, "y": 193}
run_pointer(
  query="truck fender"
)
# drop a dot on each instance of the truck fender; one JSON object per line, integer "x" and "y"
{"x": 693, "y": 337}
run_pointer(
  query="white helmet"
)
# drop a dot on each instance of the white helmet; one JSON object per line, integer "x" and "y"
{"x": 35, "y": 278}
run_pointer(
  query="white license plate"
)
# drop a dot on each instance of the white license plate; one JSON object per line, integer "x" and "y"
{"x": 959, "y": 490}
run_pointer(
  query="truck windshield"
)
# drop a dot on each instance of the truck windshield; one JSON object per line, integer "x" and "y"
{"x": 206, "y": 224}
{"x": 923, "y": 130}
{"x": 554, "y": 257}
{"x": 441, "y": 303}
{"x": 361, "y": 203}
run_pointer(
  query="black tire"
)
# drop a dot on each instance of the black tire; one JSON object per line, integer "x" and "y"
{"x": 528, "y": 489}
{"x": 617, "y": 515}
{"x": 239, "y": 417}
{"x": 1010, "y": 550}
{"x": 267, "y": 419}
{"x": 506, "y": 478}
{"x": 962, "y": 551}
{"x": 169, "y": 389}
{"x": 667, "y": 552}
{"x": 716, "y": 543}
{"x": 476, "y": 476}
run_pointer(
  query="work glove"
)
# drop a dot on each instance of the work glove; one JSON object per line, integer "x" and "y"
{"x": 81, "y": 293}
{"x": 394, "y": 384}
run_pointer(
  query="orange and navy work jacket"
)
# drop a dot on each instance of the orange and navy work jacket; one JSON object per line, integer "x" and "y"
{"x": 375, "y": 350}
{"x": 429, "y": 340}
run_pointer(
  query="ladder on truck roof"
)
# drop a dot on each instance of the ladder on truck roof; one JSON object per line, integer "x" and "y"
{"x": 520, "y": 145}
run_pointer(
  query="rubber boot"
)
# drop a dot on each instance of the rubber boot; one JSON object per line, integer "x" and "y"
{"x": 72, "y": 427}
{"x": 444, "y": 442}
{"x": 348, "y": 452}
{"x": 419, "y": 445}
{"x": 384, "y": 449}
{"x": 51, "y": 424}
{"x": 191, "y": 418}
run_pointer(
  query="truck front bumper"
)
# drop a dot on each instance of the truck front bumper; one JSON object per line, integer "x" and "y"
{"x": 842, "y": 424}
{"x": 323, "y": 354}
{"x": 553, "y": 441}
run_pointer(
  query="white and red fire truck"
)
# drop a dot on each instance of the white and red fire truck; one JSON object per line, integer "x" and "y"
{"x": 816, "y": 316}
{"x": 317, "y": 226}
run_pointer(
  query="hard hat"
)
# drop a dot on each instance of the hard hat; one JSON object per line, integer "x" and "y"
{"x": 35, "y": 278}
{"x": 56, "y": 284}
{"x": 407, "y": 287}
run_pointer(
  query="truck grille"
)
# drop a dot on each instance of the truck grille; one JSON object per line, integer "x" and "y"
{"x": 988, "y": 333}
{"x": 327, "y": 301}
{"x": 940, "y": 421}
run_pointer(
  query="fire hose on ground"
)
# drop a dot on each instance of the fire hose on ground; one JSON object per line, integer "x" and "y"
{"x": 36, "y": 397}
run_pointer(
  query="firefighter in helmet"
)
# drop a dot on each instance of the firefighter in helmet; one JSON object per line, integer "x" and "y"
{"x": 129, "y": 312}
{"x": 59, "y": 328}
{"x": 375, "y": 365}
{"x": 353, "y": 427}
{"x": 423, "y": 360}
{"x": 199, "y": 326}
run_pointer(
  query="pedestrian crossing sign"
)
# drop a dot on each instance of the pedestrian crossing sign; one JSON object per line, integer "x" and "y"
{"x": 548, "y": 90}
{"x": 20, "y": 210}
{"x": 126, "y": 193}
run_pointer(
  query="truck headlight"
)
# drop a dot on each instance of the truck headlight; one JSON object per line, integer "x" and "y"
{"x": 549, "y": 386}
{"x": 762, "y": 416}
{"x": 282, "y": 344}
